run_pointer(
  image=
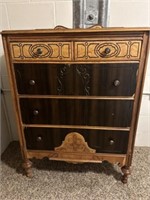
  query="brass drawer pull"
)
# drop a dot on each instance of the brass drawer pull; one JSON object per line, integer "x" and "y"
{"x": 39, "y": 51}
{"x": 32, "y": 82}
{"x": 39, "y": 138}
{"x": 107, "y": 50}
{"x": 116, "y": 83}
{"x": 111, "y": 142}
{"x": 35, "y": 112}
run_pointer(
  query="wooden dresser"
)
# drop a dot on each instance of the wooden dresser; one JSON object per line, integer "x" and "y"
{"x": 77, "y": 92}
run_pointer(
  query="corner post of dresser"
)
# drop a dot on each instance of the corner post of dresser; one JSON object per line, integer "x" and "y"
{"x": 9, "y": 64}
{"x": 137, "y": 103}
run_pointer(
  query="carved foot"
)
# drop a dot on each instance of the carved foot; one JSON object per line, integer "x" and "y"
{"x": 27, "y": 166}
{"x": 126, "y": 172}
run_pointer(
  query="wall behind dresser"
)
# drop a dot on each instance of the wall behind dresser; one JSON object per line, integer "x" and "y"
{"x": 34, "y": 14}
{"x": 135, "y": 13}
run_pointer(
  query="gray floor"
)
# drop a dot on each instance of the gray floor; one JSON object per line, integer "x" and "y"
{"x": 62, "y": 181}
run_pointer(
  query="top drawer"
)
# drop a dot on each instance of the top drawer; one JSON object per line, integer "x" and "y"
{"x": 80, "y": 51}
{"x": 107, "y": 50}
{"x": 41, "y": 51}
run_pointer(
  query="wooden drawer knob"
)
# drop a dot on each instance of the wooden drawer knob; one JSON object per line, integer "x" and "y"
{"x": 116, "y": 83}
{"x": 107, "y": 50}
{"x": 39, "y": 138}
{"x": 39, "y": 51}
{"x": 111, "y": 142}
{"x": 35, "y": 112}
{"x": 32, "y": 82}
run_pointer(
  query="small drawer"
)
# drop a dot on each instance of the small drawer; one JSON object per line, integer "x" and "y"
{"x": 101, "y": 141}
{"x": 91, "y": 79}
{"x": 107, "y": 50}
{"x": 115, "y": 113}
{"x": 39, "y": 51}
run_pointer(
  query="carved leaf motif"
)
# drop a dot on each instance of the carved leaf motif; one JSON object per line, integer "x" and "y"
{"x": 83, "y": 71}
{"x": 74, "y": 143}
{"x": 60, "y": 79}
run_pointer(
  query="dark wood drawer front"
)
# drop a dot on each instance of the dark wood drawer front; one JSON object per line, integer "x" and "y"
{"x": 91, "y": 79}
{"x": 76, "y": 112}
{"x": 102, "y": 141}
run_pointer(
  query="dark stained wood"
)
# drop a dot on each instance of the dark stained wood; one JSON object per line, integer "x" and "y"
{"x": 126, "y": 172}
{"x": 77, "y": 112}
{"x": 48, "y": 139}
{"x": 94, "y": 79}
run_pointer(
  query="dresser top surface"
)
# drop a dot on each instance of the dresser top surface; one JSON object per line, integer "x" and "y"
{"x": 94, "y": 29}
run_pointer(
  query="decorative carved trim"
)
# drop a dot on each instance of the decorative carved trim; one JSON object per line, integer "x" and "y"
{"x": 60, "y": 78}
{"x": 47, "y": 51}
{"x": 82, "y": 70}
{"x": 78, "y": 157}
{"x": 100, "y": 50}
{"x": 74, "y": 143}
{"x": 60, "y": 27}
{"x": 114, "y": 160}
{"x": 84, "y": 50}
{"x": 97, "y": 26}
{"x": 118, "y": 50}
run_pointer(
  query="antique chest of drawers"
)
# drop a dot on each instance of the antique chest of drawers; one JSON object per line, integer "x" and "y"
{"x": 77, "y": 93}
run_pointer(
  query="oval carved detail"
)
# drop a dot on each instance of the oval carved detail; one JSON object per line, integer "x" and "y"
{"x": 100, "y": 50}
{"x": 46, "y": 51}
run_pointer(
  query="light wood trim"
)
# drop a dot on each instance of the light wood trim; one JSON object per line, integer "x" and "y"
{"x": 71, "y": 38}
{"x": 53, "y": 51}
{"x": 14, "y": 96}
{"x": 138, "y": 94}
{"x": 77, "y": 127}
{"x": 74, "y": 142}
{"x": 108, "y": 29}
{"x": 76, "y": 62}
{"x": 84, "y": 158}
{"x": 77, "y": 97}
{"x": 90, "y": 50}
{"x": 84, "y": 50}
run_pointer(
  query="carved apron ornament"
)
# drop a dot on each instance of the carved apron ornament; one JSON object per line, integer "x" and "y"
{"x": 74, "y": 143}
